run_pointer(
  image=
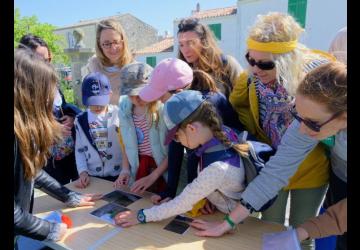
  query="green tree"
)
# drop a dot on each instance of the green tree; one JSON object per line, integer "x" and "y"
{"x": 24, "y": 25}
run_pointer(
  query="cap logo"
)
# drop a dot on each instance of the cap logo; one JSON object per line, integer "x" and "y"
{"x": 95, "y": 89}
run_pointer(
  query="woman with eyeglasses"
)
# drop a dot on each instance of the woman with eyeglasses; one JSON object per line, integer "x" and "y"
{"x": 263, "y": 97}
{"x": 112, "y": 53}
{"x": 198, "y": 47}
{"x": 61, "y": 164}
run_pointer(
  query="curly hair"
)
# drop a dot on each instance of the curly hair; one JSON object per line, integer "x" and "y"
{"x": 281, "y": 27}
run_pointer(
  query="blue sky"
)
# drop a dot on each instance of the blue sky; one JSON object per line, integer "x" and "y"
{"x": 158, "y": 13}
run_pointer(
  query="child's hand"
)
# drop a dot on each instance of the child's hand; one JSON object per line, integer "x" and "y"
{"x": 208, "y": 208}
{"x": 142, "y": 184}
{"x": 156, "y": 199}
{"x": 123, "y": 179}
{"x": 126, "y": 219}
{"x": 83, "y": 180}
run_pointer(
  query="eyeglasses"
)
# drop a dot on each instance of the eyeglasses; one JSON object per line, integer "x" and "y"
{"x": 311, "y": 124}
{"x": 269, "y": 65}
{"x": 108, "y": 45}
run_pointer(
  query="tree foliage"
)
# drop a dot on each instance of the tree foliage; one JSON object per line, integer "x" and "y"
{"x": 24, "y": 25}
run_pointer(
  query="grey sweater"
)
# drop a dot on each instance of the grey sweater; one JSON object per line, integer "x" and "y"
{"x": 292, "y": 150}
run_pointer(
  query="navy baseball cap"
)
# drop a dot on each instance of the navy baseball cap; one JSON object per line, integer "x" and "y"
{"x": 96, "y": 89}
{"x": 179, "y": 107}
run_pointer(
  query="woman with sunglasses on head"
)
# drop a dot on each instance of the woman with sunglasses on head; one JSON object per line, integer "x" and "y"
{"x": 61, "y": 164}
{"x": 198, "y": 47}
{"x": 112, "y": 53}
{"x": 263, "y": 96}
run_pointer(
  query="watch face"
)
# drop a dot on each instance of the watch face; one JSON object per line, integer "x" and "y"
{"x": 141, "y": 217}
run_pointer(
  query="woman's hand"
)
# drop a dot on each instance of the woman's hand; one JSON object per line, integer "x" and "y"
{"x": 212, "y": 229}
{"x": 142, "y": 184}
{"x": 62, "y": 232}
{"x": 126, "y": 219}
{"x": 88, "y": 199}
{"x": 83, "y": 181}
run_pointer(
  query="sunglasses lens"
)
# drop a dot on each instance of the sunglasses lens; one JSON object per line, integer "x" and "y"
{"x": 266, "y": 65}
{"x": 312, "y": 125}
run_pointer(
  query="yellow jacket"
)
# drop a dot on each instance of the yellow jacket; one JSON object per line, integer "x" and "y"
{"x": 313, "y": 171}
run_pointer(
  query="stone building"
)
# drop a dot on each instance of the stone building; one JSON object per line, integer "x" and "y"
{"x": 139, "y": 33}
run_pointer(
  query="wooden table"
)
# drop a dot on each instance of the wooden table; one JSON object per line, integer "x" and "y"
{"x": 89, "y": 233}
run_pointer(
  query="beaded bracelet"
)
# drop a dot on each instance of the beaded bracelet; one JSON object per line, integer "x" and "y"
{"x": 230, "y": 221}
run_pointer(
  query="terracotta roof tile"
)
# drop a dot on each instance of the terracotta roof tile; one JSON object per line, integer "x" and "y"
{"x": 227, "y": 11}
{"x": 164, "y": 45}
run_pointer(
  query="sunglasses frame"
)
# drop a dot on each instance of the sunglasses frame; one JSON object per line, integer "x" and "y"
{"x": 311, "y": 124}
{"x": 269, "y": 65}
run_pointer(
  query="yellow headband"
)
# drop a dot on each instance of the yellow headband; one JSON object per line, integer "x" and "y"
{"x": 272, "y": 47}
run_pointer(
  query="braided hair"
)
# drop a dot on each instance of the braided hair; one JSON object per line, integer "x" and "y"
{"x": 207, "y": 115}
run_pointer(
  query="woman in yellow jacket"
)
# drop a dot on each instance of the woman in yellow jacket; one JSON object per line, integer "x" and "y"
{"x": 263, "y": 97}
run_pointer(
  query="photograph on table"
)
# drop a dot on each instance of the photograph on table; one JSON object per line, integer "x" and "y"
{"x": 108, "y": 211}
{"x": 121, "y": 198}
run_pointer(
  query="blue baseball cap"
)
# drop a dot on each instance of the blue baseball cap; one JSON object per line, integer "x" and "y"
{"x": 96, "y": 89}
{"x": 179, "y": 107}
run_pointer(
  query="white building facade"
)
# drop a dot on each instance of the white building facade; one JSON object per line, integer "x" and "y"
{"x": 321, "y": 20}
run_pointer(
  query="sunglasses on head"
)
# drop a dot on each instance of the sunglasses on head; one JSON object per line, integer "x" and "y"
{"x": 269, "y": 65}
{"x": 311, "y": 124}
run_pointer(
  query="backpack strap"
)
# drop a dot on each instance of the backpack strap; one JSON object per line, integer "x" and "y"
{"x": 84, "y": 123}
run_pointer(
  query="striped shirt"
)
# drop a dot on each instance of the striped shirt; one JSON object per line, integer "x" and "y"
{"x": 142, "y": 134}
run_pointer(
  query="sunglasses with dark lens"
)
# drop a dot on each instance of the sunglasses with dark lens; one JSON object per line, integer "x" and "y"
{"x": 311, "y": 124}
{"x": 269, "y": 65}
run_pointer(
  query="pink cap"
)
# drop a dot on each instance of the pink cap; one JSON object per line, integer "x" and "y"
{"x": 169, "y": 74}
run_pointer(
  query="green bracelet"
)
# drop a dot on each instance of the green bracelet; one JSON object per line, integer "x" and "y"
{"x": 230, "y": 221}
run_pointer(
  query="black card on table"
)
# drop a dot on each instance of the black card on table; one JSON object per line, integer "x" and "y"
{"x": 121, "y": 198}
{"x": 179, "y": 224}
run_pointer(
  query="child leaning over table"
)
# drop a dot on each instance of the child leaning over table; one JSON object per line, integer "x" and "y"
{"x": 97, "y": 148}
{"x": 143, "y": 131}
{"x": 194, "y": 122}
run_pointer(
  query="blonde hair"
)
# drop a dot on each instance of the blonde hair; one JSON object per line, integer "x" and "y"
{"x": 34, "y": 124}
{"x": 126, "y": 55}
{"x": 153, "y": 110}
{"x": 327, "y": 84}
{"x": 281, "y": 27}
{"x": 210, "y": 54}
{"x": 206, "y": 114}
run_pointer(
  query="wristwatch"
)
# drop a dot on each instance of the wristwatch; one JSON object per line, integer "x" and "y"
{"x": 141, "y": 216}
{"x": 247, "y": 205}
